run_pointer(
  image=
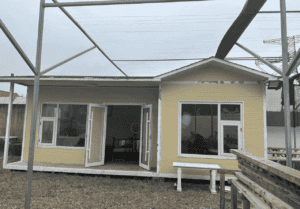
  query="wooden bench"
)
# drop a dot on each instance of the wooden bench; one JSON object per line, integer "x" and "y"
{"x": 211, "y": 167}
{"x": 264, "y": 183}
{"x": 278, "y": 154}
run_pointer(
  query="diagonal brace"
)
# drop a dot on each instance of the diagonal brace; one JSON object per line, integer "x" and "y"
{"x": 66, "y": 60}
{"x": 261, "y": 59}
{"x": 17, "y": 47}
{"x": 85, "y": 33}
{"x": 294, "y": 64}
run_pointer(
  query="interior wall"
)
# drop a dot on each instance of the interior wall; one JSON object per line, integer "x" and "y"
{"x": 119, "y": 121}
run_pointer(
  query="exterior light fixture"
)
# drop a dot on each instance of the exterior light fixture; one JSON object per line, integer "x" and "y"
{"x": 275, "y": 84}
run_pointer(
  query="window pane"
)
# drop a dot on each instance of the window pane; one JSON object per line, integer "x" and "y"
{"x": 47, "y": 132}
{"x": 48, "y": 110}
{"x": 71, "y": 125}
{"x": 230, "y": 134}
{"x": 199, "y": 129}
{"x": 230, "y": 112}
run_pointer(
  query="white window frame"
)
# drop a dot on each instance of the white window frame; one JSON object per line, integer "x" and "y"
{"x": 55, "y": 119}
{"x": 220, "y": 155}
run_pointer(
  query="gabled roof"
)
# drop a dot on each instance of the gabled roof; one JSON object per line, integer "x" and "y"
{"x": 212, "y": 60}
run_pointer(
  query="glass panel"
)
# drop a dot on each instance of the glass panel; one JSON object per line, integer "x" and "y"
{"x": 230, "y": 112}
{"x": 199, "y": 129}
{"x": 48, "y": 110}
{"x": 145, "y": 135}
{"x": 47, "y": 132}
{"x": 71, "y": 125}
{"x": 230, "y": 134}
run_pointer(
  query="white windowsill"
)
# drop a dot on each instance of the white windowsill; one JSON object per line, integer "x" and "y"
{"x": 222, "y": 157}
{"x": 60, "y": 147}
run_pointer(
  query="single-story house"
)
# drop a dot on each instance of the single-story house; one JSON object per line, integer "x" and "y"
{"x": 139, "y": 126}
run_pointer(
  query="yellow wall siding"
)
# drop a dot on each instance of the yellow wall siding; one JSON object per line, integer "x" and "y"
{"x": 250, "y": 94}
{"x": 97, "y": 95}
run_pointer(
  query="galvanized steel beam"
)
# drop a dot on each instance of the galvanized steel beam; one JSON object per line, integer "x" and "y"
{"x": 98, "y": 3}
{"x": 35, "y": 103}
{"x": 260, "y": 58}
{"x": 66, "y": 60}
{"x": 17, "y": 47}
{"x": 294, "y": 63}
{"x": 285, "y": 60}
{"x": 86, "y": 34}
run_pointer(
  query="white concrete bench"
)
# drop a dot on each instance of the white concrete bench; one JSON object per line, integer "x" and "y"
{"x": 211, "y": 167}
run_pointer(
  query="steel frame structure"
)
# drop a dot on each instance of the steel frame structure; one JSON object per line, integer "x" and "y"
{"x": 250, "y": 10}
{"x": 222, "y": 52}
{"x": 38, "y": 73}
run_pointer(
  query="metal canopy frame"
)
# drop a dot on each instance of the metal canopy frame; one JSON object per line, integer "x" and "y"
{"x": 250, "y": 10}
{"x": 38, "y": 73}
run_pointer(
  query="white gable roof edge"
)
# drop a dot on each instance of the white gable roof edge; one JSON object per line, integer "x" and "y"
{"x": 220, "y": 61}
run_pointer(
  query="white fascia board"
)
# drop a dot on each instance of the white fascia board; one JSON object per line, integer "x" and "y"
{"x": 197, "y": 64}
{"x": 86, "y": 78}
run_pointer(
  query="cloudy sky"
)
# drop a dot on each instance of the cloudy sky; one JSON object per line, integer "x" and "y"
{"x": 180, "y": 30}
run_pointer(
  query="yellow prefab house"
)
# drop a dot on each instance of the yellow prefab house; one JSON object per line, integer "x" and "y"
{"x": 140, "y": 126}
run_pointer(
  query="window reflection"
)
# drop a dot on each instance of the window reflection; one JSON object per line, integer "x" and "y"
{"x": 230, "y": 112}
{"x": 199, "y": 129}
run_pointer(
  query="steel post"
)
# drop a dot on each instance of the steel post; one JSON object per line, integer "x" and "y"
{"x": 8, "y": 121}
{"x": 35, "y": 103}
{"x": 286, "y": 84}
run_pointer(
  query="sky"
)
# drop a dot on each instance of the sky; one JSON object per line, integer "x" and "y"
{"x": 179, "y": 30}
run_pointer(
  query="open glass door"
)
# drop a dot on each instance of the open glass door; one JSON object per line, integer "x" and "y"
{"x": 146, "y": 136}
{"x": 96, "y": 134}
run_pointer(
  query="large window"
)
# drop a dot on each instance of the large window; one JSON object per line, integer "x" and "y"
{"x": 63, "y": 125}
{"x": 210, "y": 129}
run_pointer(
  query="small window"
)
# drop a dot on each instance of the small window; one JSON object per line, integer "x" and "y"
{"x": 48, "y": 110}
{"x": 47, "y": 132}
{"x": 230, "y": 134}
{"x": 230, "y": 112}
{"x": 63, "y": 125}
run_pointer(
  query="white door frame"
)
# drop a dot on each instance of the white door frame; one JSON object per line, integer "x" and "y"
{"x": 240, "y": 131}
{"x": 147, "y": 149}
{"x": 89, "y": 135}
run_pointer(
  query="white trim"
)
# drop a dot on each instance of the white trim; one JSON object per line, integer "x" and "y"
{"x": 220, "y": 155}
{"x": 219, "y": 61}
{"x": 60, "y": 147}
{"x": 265, "y": 121}
{"x": 148, "y": 136}
{"x": 89, "y": 138}
{"x": 24, "y": 126}
{"x": 133, "y": 104}
{"x": 16, "y": 166}
{"x": 211, "y": 82}
{"x": 230, "y": 123}
{"x": 159, "y": 129}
